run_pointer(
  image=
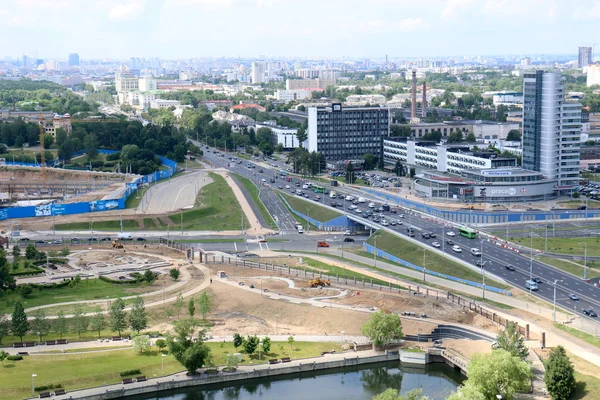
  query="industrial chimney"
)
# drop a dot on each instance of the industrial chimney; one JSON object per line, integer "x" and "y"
{"x": 413, "y": 105}
{"x": 424, "y": 105}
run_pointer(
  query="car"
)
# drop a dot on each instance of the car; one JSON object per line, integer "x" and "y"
{"x": 480, "y": 263}
{"x": 24, "y": 239}
{"x": 348, "y": 240}
{"x": 450, "y": 233}
{"x": 432, "y": 235}
{"x": 456, "y": 249}
{"x": 261, "y": 171}
{"x": 573, "y": 297}
{"x": 352, "y": 207}
{"x": 57, "y": 242}
{"x": 510, "y": 268}
{"x": 40, "y": 242}
{"x": 317, "y": 198}
{"x": 263, "y": 180}
{"x": 341, "y": 205}
{"x": 393, "y": 211}
{"x": 358, "y": 211}
{"x": 537, "y": 280}
{"x": 384, "y": 223}
{"x": 105, "y": 239}
{"x": 401, "y": 216}
{"x": 347, "y": 232}
{"x": 140, "y": 239}
{"x": 425, "y": 235}
{"x": 322, "y": 244}
{"x": 436, "y": 244}
{"x": 287, "y": 186}
{"x": 590, "y": 312}
{"x": 75, "y": 240}
{"x": 333, "y": 205}
{"x": 92, "y": 239}
{"x": 449, "y": 242}
{"x": 393, "y": 223}
{"x": 279, "y": 187}
{"x": 251, "y": 286}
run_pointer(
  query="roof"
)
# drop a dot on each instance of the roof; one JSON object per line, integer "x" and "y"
{"x": 246, "y": 106}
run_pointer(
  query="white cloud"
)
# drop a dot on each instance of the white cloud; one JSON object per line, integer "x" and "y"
{"x": 588, "y": 12}
{"x": 209, "y": 3}
{"x": 16, "y": 20}
{"x": 3, "y": 11}
{"x": 126, "y": 10}
{"x": 452, "y": 6}
{"x": 404, "y": 25}
{"x": 43, "y": 3}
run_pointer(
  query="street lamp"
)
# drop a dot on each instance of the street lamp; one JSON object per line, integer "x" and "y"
{"x": 307, "y": 219}
{"x": 375, "y": 250}
{"x": 530, "y": 256}
{"x": 277, "y": 324}
{"x": 584, "y": 260}
{"x": 162, "y": 359}
{"x": 424, "y": 262}
{"x": 554, "y": 300}
{"x": 33, "y": 384}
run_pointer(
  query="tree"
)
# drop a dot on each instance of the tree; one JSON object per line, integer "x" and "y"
{"x": 514, "y": 135}
{"x": 560, "y": 375}
{"x": 66, "y": 150}
{"x": 6, "y": 279}
{"x": 238, "y": 340}
{"x": 149, "y": 276}
{"x": 16, "y": 252}
{"x": 60, "y": 325}
{"x": 401, "y": 131}
{"x": 370, "y": 161}
{"x": 138, "y": 318}
{"x": 90, "y": 144}
{"x": 4, "y": 327}
{"x": 266, "y": 344}
{"x": 455, "y": 137}
{"x": 25, "y": 290}
{"x": 510, "y": 340}
{"x": 575, "y": 195}
{"x": 291, "y": 341}
{"x": 393, "y": 394}
{"x": 192, "y": 355}
{"x": 31, "y": 252}
{"x": 413, "y": 172}
{"x": 470, "y": 137}
{"x": 174, "y": 273}
{"x": 498, "y": 373}
{"x": 19, "y": 324}
{"x": 61, "y": 136}
{"x": 448, "y": 97}
{"x": 141, "y": 343}
{"x": 98, "y": 322}
{"x": 251, "y": 344}
{"x": 383, "y": 328}
{"x": 349, "y": 173}
{"x": 117, "y": 316}
{"x": 80, "y": 321}
{"x": 191, "y": 308}
{"x": 161, "y": 344}
{"x": 179, "y": 303}
{"x": 467, "y": 393}
{"x": 40, "y": 324}
{"x": 3, "y": 356}
{"x": 205, "y": 304}
{"x": 231, "y": 362}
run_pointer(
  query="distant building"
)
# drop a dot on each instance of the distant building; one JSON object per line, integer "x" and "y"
{"x": 593, "y": 75}
{"x": 508, "y": 98}
{"x": 551, "y": 129}
{"x": 585, "y": 57}
{"x": 162, "y": 103}
{"x": 247, "y": 106}
{"x": 317, "y": 83}
{"x": 147, "y": 84}
{"x": 372, "y": 99}
{"x": 126, "y": 81}
{"x": 347, "y": 133}
{"x": 258, "y": 71}
{"x": 73, "y": 59}
{"x": 483, "y": 130}
{"x": 293, "y": 95}
{"x": 281, "y": 134}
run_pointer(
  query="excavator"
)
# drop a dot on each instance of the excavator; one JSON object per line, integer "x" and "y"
{"x": 319, "y": 282}
{"x": 116, "y": 244}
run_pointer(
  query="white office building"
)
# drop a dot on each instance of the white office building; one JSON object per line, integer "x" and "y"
{"x": 147, "y": 84}
{"x": 281, "y": 134}
{"x": 293, "y": 95}
{"x": 551, "y": 129}
{"x": 593, "y": 75}
{"x": 258, "y": 71}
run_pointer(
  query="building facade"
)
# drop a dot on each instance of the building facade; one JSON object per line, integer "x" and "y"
{"x": 281, "y": 135}
{"x": 585, "y": 57}
{"x": 126, "y": 82}
{"x": 73, "y": 59}
{"x": 292, "y": 95}
{"x": 317, "y": 83}
{"x": 551, "y": 129}
{"x": 258, "y": 71}
{"x": 593, "y": 75}
{"x": 346, "y": 133}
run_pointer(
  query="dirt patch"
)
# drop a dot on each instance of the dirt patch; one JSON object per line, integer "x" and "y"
{"x": 468, "y": 347}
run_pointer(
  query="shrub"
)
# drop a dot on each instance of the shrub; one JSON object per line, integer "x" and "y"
{"x": 130, "y": 372}
{"x": 106, "y": 279}
{"x": 48, "y": 387}
{"x": 14, "y": 358}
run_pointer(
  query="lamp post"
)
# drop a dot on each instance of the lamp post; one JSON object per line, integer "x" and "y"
{"x": 307, "y": 219}
{"x": 33, "y": 384}
{"x": 277, "y": 324}
{"x": 162, "y": 359}
{"x": 375, "y": 250}
{"x": 584, "y": 260}
{"x": 424, "y": 262}
{"x": 554, "y": 300}
{"x": 482, "y": 270}
{"x": 530, "y": 256}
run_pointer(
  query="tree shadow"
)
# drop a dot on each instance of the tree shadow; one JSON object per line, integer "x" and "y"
{"x": 580, "y": 391}
{"x": 8, "y": 366}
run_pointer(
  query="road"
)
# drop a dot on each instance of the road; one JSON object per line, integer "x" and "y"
{"x": 173, "y": 194}
{"x": 495, "y": 257}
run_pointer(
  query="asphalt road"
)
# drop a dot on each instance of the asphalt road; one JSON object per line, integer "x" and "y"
{"x": 496, "y": 258}
{"x": 173, "y": 194}
{"x": 549, "y": 229}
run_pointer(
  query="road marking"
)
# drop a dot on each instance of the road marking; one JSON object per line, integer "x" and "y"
{"x": 235, "y": 245}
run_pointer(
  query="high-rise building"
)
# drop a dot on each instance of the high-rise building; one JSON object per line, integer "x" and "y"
{"x": 585, "y": 57}
{"x": 593, "y": 75}
{"x": 258, "y": 71}
{"x": 551, "y": 129}
{"x": 73, "y": 59}
{"x": 347, "y": 133}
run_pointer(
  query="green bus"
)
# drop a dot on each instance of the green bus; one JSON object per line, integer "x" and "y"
{"x": 318, "y": 189}
{"x": 467, "y": 232}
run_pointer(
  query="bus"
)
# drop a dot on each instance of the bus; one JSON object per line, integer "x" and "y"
{"x": 467, "y": 232}
{"x": 318, "y": 189}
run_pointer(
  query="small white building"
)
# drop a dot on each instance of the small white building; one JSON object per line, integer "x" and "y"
{"x": 162, "y": 103}
{"x": 281, "y": 134}
{"x": 293, "y": 95}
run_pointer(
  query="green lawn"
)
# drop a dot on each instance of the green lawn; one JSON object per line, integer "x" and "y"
{"x": 114, "y": 225}
{"x": 316, "y": 212}
{"x": 573, "y": 267}
{"x": 298, "y": 219}
{"x": 253, "y": 191}
{"x": 216, "y": 209}
{"x": 21, "y": 268}
{"x": 591, "y": 339}
{"x": 133, "y": 201}
{"x": 412, "y": 253}
{"x": 149, "y": 223}
{"x": 87, "y": 289}
{"x": 563, "y": 245}
{"x": 586, "y": 388}
{"x": 102, "y": 368}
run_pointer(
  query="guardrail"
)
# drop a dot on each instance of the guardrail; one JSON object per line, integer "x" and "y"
{"x": 380, "y": 253}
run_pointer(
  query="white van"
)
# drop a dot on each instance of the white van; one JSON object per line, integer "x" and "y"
{"x": 124, "y": 236}
{"x": 529, "y": 284}
{"x": 300, "y": 229}
{"x": 332, "y": 195}
{"x": 349, "y": 198}
{"x": 305, "y": 186}
{"x": 361, "y": 200}
{"x": 476, "y": 252}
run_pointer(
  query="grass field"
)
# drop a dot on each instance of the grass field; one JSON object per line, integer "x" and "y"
{"x": 113, "y": 225}
{"x": 316, "y": 212}
{"x": 216, "y": 209}
{"x": 253, "y": 191}
{"x": 149, "y": 223}
{"x": 102, "y": 368}
{"x": 591, "y": 339}
{"x": 133, "y": 201}
{"x": 414, "y": 254}
{"x": 21, "y": 268}
{"x": 87, "y": 289}
{"x": 563, "y": 245}
{"x": 573, "y": 267}
{"x": 586, "y": 388}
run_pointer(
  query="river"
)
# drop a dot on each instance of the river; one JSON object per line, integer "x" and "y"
{"x": 357, "y": 383}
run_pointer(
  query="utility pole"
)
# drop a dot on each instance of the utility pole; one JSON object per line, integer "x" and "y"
{"x": 530, "y": 256}
{"x": 375, "y": 251}
{"x": 584, "y": 260}
{"x": 424, "y": 262}
{"x": 554, "y": 300}
{"x": 181, "y": 222}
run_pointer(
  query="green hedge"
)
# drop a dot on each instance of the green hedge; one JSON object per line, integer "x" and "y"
{"x": 107, "y": 279}
{"x": 54, "y": 285}
{"x": 51, "y": 260}
{"x": 14, "y": 358}
{"x": 130, "y": 372}
{"x": 48, "y": 387}
{"x": 36, "y": 272}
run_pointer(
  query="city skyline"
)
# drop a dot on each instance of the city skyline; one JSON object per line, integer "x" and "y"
{"x": 282, "y": 28}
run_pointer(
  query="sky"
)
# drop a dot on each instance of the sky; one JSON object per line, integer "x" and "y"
{"x": 295, "y": 28}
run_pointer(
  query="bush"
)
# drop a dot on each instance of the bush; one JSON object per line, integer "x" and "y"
{"x": 106, "y": 279}
{"x": 14, "y": 358}
{"x": 130, "y": 372}
{"x": 48, "y": 387}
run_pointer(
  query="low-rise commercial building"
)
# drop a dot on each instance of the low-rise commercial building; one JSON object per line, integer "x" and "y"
{"x": 483, "y": 130}
{"x": 281, "y": 135}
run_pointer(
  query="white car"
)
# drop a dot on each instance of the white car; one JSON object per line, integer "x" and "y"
{"x": 358, "y": 211}
{"x": 263, "y": 180}
{"x": 450, "y": 233}
{"x": 436, "y": 244}
{"x": 371, "y": 205}
{"x": 456, "y": 249}
{"x": 347, "y": 232}
{"x": 384, "y": 223}
{"x": 352, "y": 207}
{"x": 287, "y": 186}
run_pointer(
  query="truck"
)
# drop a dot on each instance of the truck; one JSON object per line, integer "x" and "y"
{"x": 124, "y": 236}
{"x": 332, "y": 195}
{"x": 361, "y": 200}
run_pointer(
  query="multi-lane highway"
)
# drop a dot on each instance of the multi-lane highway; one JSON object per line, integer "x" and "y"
{"x": 496, "y": 259}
